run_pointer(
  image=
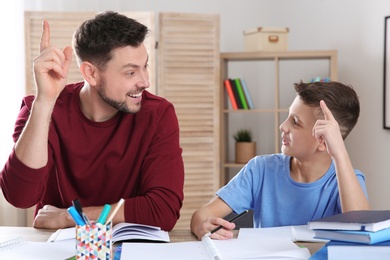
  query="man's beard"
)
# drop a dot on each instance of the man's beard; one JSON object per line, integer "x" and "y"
{"x": 120, "y": 106}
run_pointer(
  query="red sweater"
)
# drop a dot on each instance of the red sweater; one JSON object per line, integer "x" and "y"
{"x": 134, "y": 156}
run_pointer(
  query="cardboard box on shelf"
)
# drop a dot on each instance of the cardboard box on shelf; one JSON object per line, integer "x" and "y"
{"x": 266, "y": 39}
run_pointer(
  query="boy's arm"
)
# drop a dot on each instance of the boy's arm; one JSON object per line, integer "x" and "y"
{"x": 211, "y": 216}
{"x": 352, "y": 196}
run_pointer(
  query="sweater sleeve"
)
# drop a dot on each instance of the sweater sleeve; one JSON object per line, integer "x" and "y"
{"x": 162, "y": 176}
{"x": 22, "y": 186}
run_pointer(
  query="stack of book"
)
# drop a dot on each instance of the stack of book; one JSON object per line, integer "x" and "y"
{"x": 238, "y": 94}
{"x": 354, "y": 235}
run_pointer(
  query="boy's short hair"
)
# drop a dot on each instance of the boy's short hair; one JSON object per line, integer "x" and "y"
{"x": 341, "y": 100}
{"x": 95, "y": 38}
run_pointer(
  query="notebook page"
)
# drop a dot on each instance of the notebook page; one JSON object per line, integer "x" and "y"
{"x": 192, "y": 250}
{"x": 275, "y": 248}
{"x": 295, "y": 233}
{"x": 40, "y": 251}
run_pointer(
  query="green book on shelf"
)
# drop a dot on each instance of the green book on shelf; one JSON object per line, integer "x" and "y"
{"x": 236, "y": 94}
{"x": 241, "y": 94}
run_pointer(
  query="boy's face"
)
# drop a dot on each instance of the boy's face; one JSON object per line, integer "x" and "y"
{"x": 124, "y": 78}
{"x": 297, "y": 138}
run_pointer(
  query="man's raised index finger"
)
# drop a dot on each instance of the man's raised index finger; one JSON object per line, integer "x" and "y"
{"x": 45, "y": 39}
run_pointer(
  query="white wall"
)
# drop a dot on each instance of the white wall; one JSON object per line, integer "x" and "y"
{"x": 354, "y": 27}
{"x": 12, "y": 76}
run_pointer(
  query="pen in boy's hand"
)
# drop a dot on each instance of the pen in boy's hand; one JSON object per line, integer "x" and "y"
{"x": 230, "y": 220}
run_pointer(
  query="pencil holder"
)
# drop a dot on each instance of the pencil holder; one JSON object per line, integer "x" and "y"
{"x": 94, "y": 241}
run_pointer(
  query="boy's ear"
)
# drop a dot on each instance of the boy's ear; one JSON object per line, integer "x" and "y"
{"x": 90, "y": 73}
{"x": 322, "y": 145}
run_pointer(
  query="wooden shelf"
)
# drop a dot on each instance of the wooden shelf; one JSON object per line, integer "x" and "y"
{"x": 276, "y": 110}
{"x": 256, "y": 110}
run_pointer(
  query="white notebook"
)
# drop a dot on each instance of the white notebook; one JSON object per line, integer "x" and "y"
{"x": 296, "y": 233}
{"x": 274, "y": 248}
{"x": 18, "y": 248}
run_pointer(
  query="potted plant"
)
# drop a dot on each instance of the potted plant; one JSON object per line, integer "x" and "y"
{"x": 245, "y": 146}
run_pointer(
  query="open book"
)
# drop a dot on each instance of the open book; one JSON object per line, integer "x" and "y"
{"x": 121, "y": 232}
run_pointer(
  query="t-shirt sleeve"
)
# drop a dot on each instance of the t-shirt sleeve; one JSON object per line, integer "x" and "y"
{"x": 362, "y": 181}
{"x": 239, "y": 192}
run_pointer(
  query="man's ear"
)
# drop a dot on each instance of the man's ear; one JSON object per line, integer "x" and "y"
{"x": 90, "y": 73}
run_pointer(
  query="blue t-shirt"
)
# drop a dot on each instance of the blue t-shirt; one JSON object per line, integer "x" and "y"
{"x": 265, "y": 186}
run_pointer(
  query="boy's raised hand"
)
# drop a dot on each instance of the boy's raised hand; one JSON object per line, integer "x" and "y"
{"x": 51, "y": 67}
{"x": 327, "y": 131}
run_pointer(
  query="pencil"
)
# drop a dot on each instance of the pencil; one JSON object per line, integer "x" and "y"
{"x": 115, "y": 210}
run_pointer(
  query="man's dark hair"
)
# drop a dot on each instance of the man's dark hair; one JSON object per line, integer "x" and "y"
{"x": 341, "y": 100}
{"x": 95, "y": 39}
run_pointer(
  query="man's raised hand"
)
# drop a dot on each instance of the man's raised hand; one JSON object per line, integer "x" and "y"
{"x": 51, "y": 67}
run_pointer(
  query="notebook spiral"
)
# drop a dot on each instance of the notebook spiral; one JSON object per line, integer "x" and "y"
{"x": 11, "y": 243}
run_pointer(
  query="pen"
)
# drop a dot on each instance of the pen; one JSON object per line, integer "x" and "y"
{"x": 76, "y": 216}
{"x": 230, "y": 220}
{"x": 115, "y": 210}
{"x": 85, "y": 218}
{"x": 76, "y": 203}
{"x": 103, "y": 216}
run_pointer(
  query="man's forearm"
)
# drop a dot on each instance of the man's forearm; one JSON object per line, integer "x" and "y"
{"x": 32, "y": 145}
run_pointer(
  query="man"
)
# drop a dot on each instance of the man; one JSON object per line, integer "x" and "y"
{"x": 97, "y": 140}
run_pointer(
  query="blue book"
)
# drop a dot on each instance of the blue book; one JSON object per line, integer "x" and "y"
{"x": 363, "y": 237}
{"x": 343, "y": 250}
{"x": 359, "y": 220}
{"x": 335, "y": 250}
{"x": 247, "y": 95}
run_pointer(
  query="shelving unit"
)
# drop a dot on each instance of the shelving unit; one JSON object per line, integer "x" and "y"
{"x": 276, "y": 110}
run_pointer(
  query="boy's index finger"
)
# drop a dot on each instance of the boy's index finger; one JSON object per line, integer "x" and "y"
{"x": 45, "y": 39}
{"x": 327, "y": 113}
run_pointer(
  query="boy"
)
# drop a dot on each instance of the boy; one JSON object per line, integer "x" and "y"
{"x": 313, "y": 176}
